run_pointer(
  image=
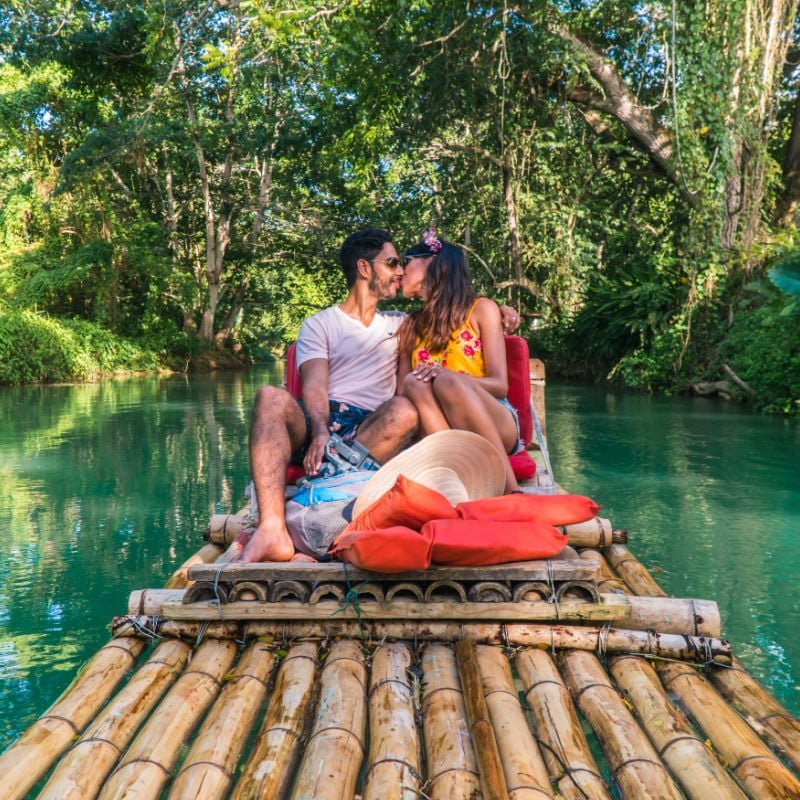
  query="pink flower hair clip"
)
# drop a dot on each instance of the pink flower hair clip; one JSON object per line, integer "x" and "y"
{"x": 431, "y": 240}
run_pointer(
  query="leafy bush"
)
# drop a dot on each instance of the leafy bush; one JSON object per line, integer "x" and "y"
{"x": 36, "y": 348}
{"x": 763, "y": 348}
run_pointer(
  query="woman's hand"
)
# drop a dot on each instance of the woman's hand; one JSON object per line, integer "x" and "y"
{"x": 427, "y": 372}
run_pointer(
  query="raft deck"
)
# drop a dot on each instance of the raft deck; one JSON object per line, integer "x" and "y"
{"x": 251, "y": 704}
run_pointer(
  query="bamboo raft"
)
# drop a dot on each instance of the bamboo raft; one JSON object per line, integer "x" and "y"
{"x": 575, "y": 678}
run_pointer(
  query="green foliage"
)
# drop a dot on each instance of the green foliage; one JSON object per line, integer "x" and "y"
{"x": 36, "y": 348}
{"x": 763, "y": 348}
{"x": 179, "y": 174}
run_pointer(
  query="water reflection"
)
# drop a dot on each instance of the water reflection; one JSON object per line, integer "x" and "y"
{"x": 710, "y": 495}
{"x": 105, "y": 488}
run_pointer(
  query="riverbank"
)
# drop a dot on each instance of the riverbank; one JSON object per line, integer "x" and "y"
{"x": 40, "y": 349}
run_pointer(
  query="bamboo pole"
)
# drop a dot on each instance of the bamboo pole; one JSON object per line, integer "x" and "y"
{"x": 490, "y": 767}
{"x": 26, "y": 761}
{"x": 224, "y": 528}
{"x": 611, "y": 607}
{"x": 581, "y": 637}
{"x": 207, "y": 554}
{"x": 764, "y": 713}
{"x": 607, "y": 581}
{"x": 146, "y": 766}
{"x": 151, "y": 601}
{"x": 699, "y": 773}
{"x": 268, "y": 771}
{"x": 80, "y": 774}
{"x": 595, "y": 532}
{"x": 564, "y": 746}
{"x": 207, "y": 770}
{"x": 145, "y": 626}
{"x": 673, "y": 615}
{"x": 634, "y": 764}
{"x": 632, "y": 571}
{"x": 394, "y": 750}
{"x": 335, "y": 749}
{"x": 668, "y": 615}
{"x": 523, "y": 767}
{"x": 452, "y": 768}
{"x": 753, "y": 763}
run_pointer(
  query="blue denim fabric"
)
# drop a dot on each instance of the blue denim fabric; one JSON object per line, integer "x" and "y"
{"x": 520, "y": 445}
{"x": 343, "y": 419}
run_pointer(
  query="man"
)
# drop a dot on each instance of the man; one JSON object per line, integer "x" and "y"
{"x": 347, "y": 356}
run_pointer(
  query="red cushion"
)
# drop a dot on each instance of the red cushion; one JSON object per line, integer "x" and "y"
{"x": 293, "y": 473}
{"x": 519, "y": 383}
{"x": 408, "y": 504}
{"x": 396, "y": 549}
{"x": 523, "y": 465}
{"x": 459, "y": 542}
{"x": 291, "y": 374}
{"x": 294, "y": 385}
{"x": 554, "y": 509}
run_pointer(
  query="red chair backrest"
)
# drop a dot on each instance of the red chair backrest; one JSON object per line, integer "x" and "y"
{"x": 519, "y": 381}
{"x": 291, "y": 376}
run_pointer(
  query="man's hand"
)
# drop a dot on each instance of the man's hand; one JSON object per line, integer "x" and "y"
{"x": 509, "y": 318}
{"x": 316, "y": 450}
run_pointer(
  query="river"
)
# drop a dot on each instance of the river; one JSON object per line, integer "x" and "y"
{"x": 106, "y": 488}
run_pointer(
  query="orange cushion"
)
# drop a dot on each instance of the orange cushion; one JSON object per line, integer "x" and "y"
{"x": 407, "y": 503}
{"x": 460, "y": 542}
{"x": 392, "y": 550}
{"x": 555, "y": 509}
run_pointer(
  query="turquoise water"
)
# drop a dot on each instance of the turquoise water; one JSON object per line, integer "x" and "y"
{"x": 106, "y": 488}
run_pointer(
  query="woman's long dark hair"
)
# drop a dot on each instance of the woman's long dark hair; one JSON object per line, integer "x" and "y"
{"x": 450, "y": 296}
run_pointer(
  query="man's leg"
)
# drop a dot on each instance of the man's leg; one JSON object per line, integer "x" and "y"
{"x": 389, "y": 429}
{"x": 277, "y": 430}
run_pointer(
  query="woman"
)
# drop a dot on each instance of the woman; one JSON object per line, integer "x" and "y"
{"x": 452, "y": 361}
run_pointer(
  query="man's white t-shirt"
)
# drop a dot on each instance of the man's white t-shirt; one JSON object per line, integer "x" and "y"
{"x": 362, "y": 360}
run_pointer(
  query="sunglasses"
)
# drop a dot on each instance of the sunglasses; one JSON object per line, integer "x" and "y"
{"x": 391, "y": 262}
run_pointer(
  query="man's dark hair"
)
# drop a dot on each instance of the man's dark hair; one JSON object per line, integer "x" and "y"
{"x": 361, "y": 244}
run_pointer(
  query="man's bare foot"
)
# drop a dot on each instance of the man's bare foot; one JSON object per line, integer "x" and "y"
{"x": 267, "y": 544}
{"x": 303, "y": 557}
{"x": 236, "y": 547}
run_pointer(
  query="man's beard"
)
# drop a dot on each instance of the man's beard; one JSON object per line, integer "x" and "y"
{"x": 384, "y": 289}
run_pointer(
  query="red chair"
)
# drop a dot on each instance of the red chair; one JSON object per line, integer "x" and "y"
{"x": 519, "y": 395}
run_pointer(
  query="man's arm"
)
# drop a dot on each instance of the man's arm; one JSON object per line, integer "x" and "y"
{"x": 315, "y": 401}
{"x": 510, "y": 319}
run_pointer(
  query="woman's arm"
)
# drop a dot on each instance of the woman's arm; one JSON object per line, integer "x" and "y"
{"x": 488, "y": 325}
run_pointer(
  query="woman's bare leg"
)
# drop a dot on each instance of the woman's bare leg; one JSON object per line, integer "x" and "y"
{"x": 420, "y": 393}
{"x": 470, "y": 407}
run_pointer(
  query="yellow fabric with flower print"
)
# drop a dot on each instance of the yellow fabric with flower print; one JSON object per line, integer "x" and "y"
{"x": 464, "y": 352}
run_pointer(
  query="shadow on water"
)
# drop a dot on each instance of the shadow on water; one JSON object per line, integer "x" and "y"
{"x": 105, "y": 488}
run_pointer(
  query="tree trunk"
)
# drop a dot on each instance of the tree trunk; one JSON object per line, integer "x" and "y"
{"x": 515, "y": 251}
{"x": 786, "y": 207}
